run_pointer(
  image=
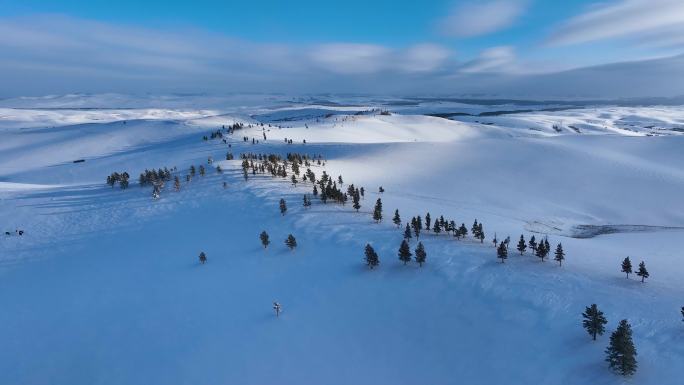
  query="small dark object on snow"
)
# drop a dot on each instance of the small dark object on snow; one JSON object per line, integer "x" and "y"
{"x": 79, "y": 161}
{"x": 277, "y": 308}
{"x": 203, "y": 258}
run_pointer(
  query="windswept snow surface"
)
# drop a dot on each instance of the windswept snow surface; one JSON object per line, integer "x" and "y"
{"x": 104, "y": 287}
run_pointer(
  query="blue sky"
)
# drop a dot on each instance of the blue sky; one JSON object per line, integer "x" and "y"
{"x": 385, "y": 45}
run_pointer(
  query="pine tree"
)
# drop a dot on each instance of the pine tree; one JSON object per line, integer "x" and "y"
{"x": 372, "y": 259}
{"x": 404, "y": 252}
{"x": 436, "y": 228}
{"x": 201, "y": 170}
{"x": 377, "y": 211}
{"x": 627, "y": 266}
{"x": 427, "y": 222}
{"x": 502, "y": 252}
{"x": 541, "y": 250}
{"x": 283, "y": 206}
{"x": 407, "y": 232}
{"x": 462, "y": 230}
{"x": 642, "y": 272}
{"x": 533, "y": 244}
{"x": 315, "y": 191}
{"x": 264, "y": 239}
{"x": 621, "y": 353}
{"x": 560, "y": 255}
{"x": 294, "y": 180}
{"x": 420, "y": 254}
{"x": 473, "y": 230}
{"x": 202, "y": 258}
{"x": 521, "y": 245}
{"x": 176, "y": 183}
{"x": 480, "y": 233}
{"x": 291, "y": 242}
{"x": 594, "y": 321}
{"x": 397, "y": 218}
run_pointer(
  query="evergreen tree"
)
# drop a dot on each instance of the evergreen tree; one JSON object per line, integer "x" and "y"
{"x": 362, "y": 191}
{"x": 427, "y": 222}
{"x": 407, "y": 232}
{"x": 283, "y": 206}
{"x": 521, "y": 245}
{"x": 542, "y": 251}
{"x": 202, "y": 258}
{"x": 480, "y": 233}
{"x": 462, "y": 230}
{"x": 404, "y": 252}
{"x": 533, "y": 244}
{"x": 642, "y": 272}
{"x": 377, "y": 211}
{"x": 502, "y": 252}
{"x": 291, "y": 242}
{"x": 473, "y": 230}
{"x": 264, "y": 239}
{"x": 594, "y": 321}
{"x": 294, "y": 180}
{"x": 372, "y": 259}
{"x": 627, "y": 266}
{"x": 420, "y": 254}
{"x": 201, "y": 170}
{"x": 192, "y": 170}
{"x": 176, "y": 183}
{"x": 397, "y": 218}
{"x": 436, "y": 228}
{"x": 356, "y": 201}
{"x": 560, "y": 255}
{"x": 315, "y": 191}
{"x": 621, "y": 353}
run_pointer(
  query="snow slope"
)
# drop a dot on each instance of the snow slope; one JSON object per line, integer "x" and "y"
{"x": 105, "y": 288}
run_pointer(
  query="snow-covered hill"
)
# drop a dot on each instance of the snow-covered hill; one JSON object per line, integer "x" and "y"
{"x": 104, "y": 286}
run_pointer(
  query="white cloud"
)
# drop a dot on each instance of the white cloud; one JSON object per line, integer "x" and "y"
{"x": 481, "y": 18}
{"x": 495, "y": 59}
{"x": 351, "y": 59}
{"x": 422, "y": 58}
{"x": 624, "y": 18}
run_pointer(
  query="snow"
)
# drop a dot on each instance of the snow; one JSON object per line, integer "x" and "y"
{"x": 105, "y": 286}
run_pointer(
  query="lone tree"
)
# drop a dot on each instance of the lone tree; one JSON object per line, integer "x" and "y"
{"x": 642, "y": 272}
{"x": 203, "y": 258}
{"x": 283, "y": 206}
{"x": 264, "y": 239}
{"x": 421, "y": 255}
{"x": 377, "y": 211}
{"x": 594, "y": 321}
{"x": 291, "y": 242}
{"x": 621, "y": 353}
{"x": 560, "y": 255}
{"x": 397, "y": 218}
{"x": 404, "y": 252}
{"x": 372, "y": 259}
{"x": 502, "y": 252}
{"x": 521, "y": 245}
{"x": 627, "y": 266}
{"x": 407, "y": 232}
{"x": 427, "y": 221}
